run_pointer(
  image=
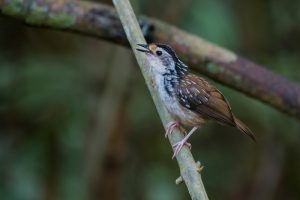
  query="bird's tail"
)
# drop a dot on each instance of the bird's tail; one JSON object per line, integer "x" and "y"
{"x": 242, "y": 127}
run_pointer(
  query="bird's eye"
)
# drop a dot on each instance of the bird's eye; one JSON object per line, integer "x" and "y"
{"x": 158, "y": 53}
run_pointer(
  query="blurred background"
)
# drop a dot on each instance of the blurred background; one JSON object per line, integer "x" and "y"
{"x": 77, "y": 121}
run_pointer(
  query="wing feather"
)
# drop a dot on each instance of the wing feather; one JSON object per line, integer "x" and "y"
{"x": 199, "y": 96}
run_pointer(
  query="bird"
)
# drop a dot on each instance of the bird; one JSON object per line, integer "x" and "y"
{"x": 190, "y": 99}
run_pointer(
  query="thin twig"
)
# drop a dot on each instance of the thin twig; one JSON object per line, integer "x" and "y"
{"x": 187, "y": 165}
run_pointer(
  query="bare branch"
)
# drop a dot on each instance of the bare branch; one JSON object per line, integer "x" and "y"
{"x": 186, "y": 162}
{"x": 220, "y": 64}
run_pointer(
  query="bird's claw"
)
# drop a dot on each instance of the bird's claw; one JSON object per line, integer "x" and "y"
{"x": 179, "y": 145}
{"x": 171, "y": 127}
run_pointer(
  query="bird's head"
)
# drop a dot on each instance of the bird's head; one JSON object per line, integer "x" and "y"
{"x": 163, "y": 59}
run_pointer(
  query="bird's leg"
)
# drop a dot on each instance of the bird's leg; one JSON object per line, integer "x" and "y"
{"x": 171, "y": 126}
{"x": 178, "y": 146}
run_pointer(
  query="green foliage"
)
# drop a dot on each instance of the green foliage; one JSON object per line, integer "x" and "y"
{"x": 37, "y": 14}
{"x": 13, "y": 7}
{"x": 62, "y": 20}
{"x": 214, "y": 21}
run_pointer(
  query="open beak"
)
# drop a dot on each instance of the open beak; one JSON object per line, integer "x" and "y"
{"x": 145, "y": 48}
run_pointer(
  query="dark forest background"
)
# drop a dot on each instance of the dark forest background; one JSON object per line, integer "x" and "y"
{"x": 77, "y": 121}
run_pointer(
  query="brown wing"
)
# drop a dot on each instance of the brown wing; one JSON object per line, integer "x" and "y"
{"x": 199, "y": 96}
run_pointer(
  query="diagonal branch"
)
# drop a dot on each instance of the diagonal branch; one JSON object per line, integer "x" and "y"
{"x": 186, "y": 162}
{"x": 98, "y": 20}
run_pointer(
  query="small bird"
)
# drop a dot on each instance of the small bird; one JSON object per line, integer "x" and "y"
{"x": 190, "y": 99}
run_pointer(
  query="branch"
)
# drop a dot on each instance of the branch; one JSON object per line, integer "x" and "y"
{"x": 100, "y": 21}
{"x": 186, "y": 162}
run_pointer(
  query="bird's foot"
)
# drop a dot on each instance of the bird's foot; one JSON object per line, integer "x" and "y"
{"x": 179, "y": 145}
{"x": 171, "y": 127}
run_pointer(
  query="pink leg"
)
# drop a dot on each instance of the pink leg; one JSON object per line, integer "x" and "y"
{"x": 178, "y": 146}
{"x": 171, "y": 126}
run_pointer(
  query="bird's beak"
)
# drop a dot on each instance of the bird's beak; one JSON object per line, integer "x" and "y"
{"x": 145, "y": 48}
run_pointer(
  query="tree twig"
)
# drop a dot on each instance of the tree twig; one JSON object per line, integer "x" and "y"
{"x": 97, "y": 20}
{"x": 186, "y": 162}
